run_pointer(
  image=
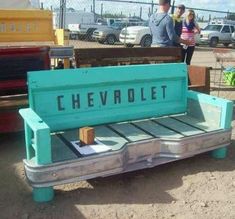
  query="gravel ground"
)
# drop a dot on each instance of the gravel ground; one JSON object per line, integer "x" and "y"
{"x": 198, "y": 187}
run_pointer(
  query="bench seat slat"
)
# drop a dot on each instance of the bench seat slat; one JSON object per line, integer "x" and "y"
{"x": 130, "y": 132}
{"x": 60, "y": 151}
{"x": 179, "y": 127}
{"x": 196, "y": 123}
{"x": 103, "y": 134}
{"x": 108, "y": 137}
{"x": 157, "y": 130}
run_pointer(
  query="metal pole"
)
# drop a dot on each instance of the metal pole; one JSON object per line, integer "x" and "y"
{"x": 64, "y": 14}
{"x": 152, "y": 7}
{"x": 60, "y": 14}
{"x": 173, "y": 7}
{"x": 94, "y": 6}
{"x": 140, "y": 12}
{"x": 101, "y": 10}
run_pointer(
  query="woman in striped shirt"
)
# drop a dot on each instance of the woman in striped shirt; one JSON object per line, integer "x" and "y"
{"x": 189, "y": 29}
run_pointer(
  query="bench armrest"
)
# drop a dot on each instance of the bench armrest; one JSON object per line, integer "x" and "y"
{"x": 37, "y": 137}
{"x": 32, "y": 119}
{"x": 210, "y": 108}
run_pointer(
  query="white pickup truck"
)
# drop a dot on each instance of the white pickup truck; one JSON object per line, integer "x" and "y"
{"x": 214, "y": 34}
{"x": 136, "y": 35}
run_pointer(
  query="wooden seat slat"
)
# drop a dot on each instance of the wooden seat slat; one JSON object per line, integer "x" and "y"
{"x": 157, "y": 130}
{"x": 132, "y": 133}
{"x": 179, "y": 127}
{"x": 203, "y": 125}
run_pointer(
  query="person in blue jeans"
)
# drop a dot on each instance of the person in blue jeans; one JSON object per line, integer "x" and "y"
{"x": 162, "y": 27}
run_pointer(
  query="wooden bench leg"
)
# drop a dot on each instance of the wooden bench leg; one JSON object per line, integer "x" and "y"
{"x": 219, "y": 153}
{"x": 44, "y": 194}
{"x": 42, "y": 155}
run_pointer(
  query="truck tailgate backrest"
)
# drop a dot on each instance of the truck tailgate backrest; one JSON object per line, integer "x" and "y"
{"x": 72, "y": 98}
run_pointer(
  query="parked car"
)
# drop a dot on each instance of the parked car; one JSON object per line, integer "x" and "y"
{"x": 233, "y": 39}
{"x": 214, "y": 34}
{"x": 109, "y": 34}
{"x": 138, "y": 35}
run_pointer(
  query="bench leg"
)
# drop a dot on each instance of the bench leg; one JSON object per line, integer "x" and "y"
{"x": 219, "y": 153}
{"x": 44, "y": 194}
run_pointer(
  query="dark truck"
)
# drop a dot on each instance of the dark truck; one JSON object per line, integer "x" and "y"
{"x": 110, "y": 34}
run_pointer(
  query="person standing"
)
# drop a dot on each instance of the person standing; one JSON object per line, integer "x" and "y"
{"x": 189, "y": 29}
{"x": 162, "y": 27}
{"x": 177, "y": 19}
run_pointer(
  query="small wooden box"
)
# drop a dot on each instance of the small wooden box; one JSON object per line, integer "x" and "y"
{"x": 86, "y": 135}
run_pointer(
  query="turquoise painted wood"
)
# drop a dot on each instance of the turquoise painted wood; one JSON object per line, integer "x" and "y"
{"x": 184, "y": 129}
{"x": 76, "y": 97}
{"x": 102, "y": 134}
{"x": 130, "y": 132}
{"x": 43, "y": 194}
{"x": 226, "y": 110}
{"x": 157, "y": 130}
{"x": 38, "y": 148}
{"x": 225, "y": 107}
{"x": 72, "y": 98}
{"x": 203, "y": 125}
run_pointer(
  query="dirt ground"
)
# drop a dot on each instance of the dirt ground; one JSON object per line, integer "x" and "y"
{"x": 197, "y": 187}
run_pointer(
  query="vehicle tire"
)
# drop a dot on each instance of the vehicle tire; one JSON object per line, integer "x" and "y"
{"x": 111, "y": 39}
{"x": 100, "y": 41}
{"x": 226, "y": 44}
{"x": 72, "y": 36}
{"x": 81, "y": 37}
{"x": 128, "y": 45}
{"x": 213, "y": 42}
{"x": 146, "y": 41}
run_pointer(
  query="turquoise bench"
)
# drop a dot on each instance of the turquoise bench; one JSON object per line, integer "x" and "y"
{"x": 143, "y": 116}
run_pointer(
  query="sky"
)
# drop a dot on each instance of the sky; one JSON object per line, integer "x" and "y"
{"x": 134, "y": 9}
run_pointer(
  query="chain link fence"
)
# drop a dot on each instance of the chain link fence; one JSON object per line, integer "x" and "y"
{"x": 95, "y": 23}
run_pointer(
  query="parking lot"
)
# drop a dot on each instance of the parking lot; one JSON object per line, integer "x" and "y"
{"x": 197, "y": 187}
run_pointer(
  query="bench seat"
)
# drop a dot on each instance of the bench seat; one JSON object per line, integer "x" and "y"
{"x": 143, "y": 116}
{"x": 131, "y": 145}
